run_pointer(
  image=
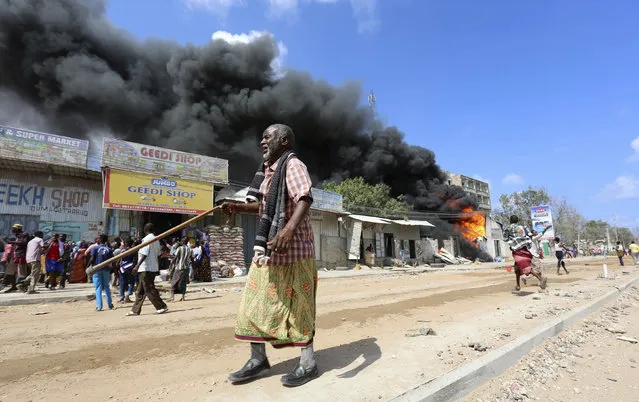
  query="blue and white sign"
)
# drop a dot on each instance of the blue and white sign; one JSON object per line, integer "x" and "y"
{"x": 326, "y": 200}
{"x": 34, "y": 146}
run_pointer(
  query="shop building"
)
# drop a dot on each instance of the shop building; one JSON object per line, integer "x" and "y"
{"x": 383, "y": 242}
{"x": 45, "y": 185}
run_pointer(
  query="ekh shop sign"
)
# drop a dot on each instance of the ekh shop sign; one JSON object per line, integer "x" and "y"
{"x": 67, "y": 203}
{"x": 145, "y": 192}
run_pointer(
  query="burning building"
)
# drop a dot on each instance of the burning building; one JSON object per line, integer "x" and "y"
{"x": 479, "y": 189}
{"x": 89, "y": 78}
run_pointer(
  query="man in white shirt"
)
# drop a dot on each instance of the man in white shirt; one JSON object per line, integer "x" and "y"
{"x": 35, "y": 249}
{"x": 148, "y": 267}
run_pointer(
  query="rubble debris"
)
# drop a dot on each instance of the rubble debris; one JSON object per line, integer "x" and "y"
{"x": 616, "y": 330}
{"x": 423, "y": 332}
{"x": 627, "y": 339}
{"x": 478, "y": 346}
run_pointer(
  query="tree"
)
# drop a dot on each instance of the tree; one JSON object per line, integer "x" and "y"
{"x": 568, "y": 222}
{"x": 520, "y": 204}
{"x": 359, "y": 196}
{"x": 624, "y": 235}
{"x": 595, "y": 232}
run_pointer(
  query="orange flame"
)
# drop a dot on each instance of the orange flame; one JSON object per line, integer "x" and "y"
{"x": 472, "y": 225}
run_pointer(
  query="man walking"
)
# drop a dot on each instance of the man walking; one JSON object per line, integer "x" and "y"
{"x": 148, "y": 266}
{"x": 278, "y": 302}
{"x": 35, "y": 249}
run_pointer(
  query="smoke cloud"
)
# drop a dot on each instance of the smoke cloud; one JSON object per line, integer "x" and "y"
{"x": 75, "y": 72}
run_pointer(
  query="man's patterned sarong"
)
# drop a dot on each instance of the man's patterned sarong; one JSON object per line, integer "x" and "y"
{"x": 278, "y": 305}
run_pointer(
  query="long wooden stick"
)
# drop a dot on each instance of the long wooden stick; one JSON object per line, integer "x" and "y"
{"x": 135, "y": 249}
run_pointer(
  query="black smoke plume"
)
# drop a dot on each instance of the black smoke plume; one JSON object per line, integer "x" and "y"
{"x": 67, "y": 61}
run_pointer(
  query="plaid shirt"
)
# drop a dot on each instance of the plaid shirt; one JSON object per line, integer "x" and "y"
{"x": 517, "y": 237}
{"x": 298, "y": 184}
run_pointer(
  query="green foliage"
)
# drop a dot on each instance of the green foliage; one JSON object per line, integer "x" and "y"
{"x": 359, "y": 196}
{"x": 519, "y": 204}
{"x": 624, "y": 235}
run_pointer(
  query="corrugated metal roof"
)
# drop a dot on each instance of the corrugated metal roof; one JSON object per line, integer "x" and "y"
{"x": 404, "y": 222}
{"x": 370, "y": 219}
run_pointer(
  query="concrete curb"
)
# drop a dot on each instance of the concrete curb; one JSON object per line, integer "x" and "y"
{"x": 463, "y": 380}
{"x": 45, "y": 300}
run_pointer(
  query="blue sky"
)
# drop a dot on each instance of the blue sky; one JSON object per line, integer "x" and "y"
{"x": 540, "y": 93}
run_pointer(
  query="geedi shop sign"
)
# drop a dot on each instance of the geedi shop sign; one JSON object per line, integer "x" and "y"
{"x": 145, "y": 192}
{"x": 144, "y": 158}
{"x": 51, "y": 203}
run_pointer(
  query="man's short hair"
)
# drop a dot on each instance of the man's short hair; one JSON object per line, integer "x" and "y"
{"x": 149, "y": 228}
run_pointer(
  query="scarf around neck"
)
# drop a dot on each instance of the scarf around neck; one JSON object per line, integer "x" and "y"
{"x": 273, "y": 217}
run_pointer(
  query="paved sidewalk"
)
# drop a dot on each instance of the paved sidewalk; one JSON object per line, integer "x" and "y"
{"x": 85, "y": 291}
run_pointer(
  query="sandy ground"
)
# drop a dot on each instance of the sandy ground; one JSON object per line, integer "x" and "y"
{"x": 363, "y": 351}
{"x": 587, "y": 362}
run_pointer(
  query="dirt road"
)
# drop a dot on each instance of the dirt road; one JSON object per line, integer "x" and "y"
{"x": 75, "y": 353}
{"x": 587, "y": 362}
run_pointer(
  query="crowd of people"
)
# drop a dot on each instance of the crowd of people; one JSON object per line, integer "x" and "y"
{"x": 29, "y": 260}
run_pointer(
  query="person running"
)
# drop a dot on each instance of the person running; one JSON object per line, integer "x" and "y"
{"x": 519, "y": 239}
{"x": 559, "y": 253}
{"x": 537, "y": 253}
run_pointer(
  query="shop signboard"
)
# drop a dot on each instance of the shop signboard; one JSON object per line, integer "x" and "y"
{"x": 71, "y": 200}
{"x": 155, "y": 193}
{"x": 124, "y": 155}
{"x": 326, "y": 200}
{"x": 34, "y": 146}
{"x": 75, "y": 231}
{"x": 542, "y": 218}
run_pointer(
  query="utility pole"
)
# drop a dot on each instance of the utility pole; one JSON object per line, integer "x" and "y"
{"x": 608, "y": 237}
{"x": 614, "y": 222}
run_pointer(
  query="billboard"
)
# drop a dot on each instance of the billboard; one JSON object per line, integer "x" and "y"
{"x": 166, "y": 162}
{"x": 21, "y": 144}
{"x": 541, "y": 218}
{"x": 156, "y": 193}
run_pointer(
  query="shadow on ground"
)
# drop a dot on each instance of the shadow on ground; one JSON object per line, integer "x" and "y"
{"x": 338, "y": 358}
